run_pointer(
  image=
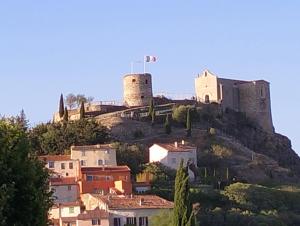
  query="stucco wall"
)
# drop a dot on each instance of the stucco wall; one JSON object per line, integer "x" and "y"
{"x": 91, "y": 156}
{"x": 65, "y": 211}
{"x": 67, "y": 172}
{"x": 62, "y": 193}
{"x": 137, "y": 89}
{"x": 104, "y": 222}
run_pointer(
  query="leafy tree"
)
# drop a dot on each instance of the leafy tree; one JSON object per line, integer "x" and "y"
{"x": 21, "y": 120}
{"x": 131, "y": 155}
{"x": 82, "y": 111}
{"x": 80, "y": 98}
{"x": 167, "y": 125}
{"x": 66, "y": 115}
{"x": 71, "y": 100}
{"x": 61, "y": 106}
{"x": 24, "y": 193}
{"x": 188, "y": 124}
{"x": 164, "y": 218}
{"x": 55, "y": 138}
{"x": 180, "y": 113}
{"x": 182, "y": 209}
{"x": 151, "y": 107}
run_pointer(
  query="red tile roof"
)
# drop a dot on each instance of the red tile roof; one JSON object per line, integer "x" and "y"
{"x": 55, "y": 157}
{"x": 180, "y": 148}
{"x": 63, "y": 181}
{"x": 91, "y": 214}
{"x": 91, "y": 147}
{"x": 105, "y": 168}
{"x": 135, "y": 202}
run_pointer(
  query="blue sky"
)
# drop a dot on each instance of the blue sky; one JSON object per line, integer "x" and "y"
{"x": 50, "y": 47}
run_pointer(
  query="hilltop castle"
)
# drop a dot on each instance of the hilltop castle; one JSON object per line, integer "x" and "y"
{"x": 250, "y": 97}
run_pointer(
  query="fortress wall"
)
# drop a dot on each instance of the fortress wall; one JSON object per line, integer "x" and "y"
{"x": 229, "y": 93}
{"x": 255, "y": 101}
{"x": 137, "y": 89}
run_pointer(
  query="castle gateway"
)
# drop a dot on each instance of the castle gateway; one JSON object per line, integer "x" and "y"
{"x": 250, "y": 97}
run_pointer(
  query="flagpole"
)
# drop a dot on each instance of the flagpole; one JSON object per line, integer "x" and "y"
{"x": 144, "y": 65}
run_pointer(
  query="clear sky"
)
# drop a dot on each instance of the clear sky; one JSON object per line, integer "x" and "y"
{"x": 50, "y": 47}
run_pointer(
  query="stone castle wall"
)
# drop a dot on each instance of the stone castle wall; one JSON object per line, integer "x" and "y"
{"x": 137, "y": 89}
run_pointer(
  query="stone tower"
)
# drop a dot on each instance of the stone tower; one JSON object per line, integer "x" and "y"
{"x": 251, "y": 97}
{"x": 137, "y": 89}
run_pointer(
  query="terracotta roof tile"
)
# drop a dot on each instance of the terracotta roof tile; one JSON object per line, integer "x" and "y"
{"x": 55, "y": 157}
{"x": 135, "y": 202}
{"x": 180, "y": 148}
{"x": 91, "y": 214}
{"x": 63, "y": 181}
{"x": 91, "y": 147}
{"x": 105, "y": 168}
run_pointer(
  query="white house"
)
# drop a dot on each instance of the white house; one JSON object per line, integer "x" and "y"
{"x": 133, "y": 210}
{"x": 65, "y": 214}
{"x": 61, "y": 165}
{"x": 171, "y": 154}
{"x": 94, "y": 155}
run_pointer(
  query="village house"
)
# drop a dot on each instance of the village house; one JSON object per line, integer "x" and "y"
{"x": 128, "y": 210}
{"x": 64, "y": 190}
{"x": 65, "y": 214}
{"x": 171, "y": 154}
{"x": 106, "y": 179}
{"x": 94, "y": 155}
{"x": 61, "y": 165}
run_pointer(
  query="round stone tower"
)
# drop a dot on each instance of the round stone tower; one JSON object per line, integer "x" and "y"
{"x": 137, "y": 89}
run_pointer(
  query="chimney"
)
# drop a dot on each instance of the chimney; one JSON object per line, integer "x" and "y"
{"x": 141, "y": 201}
{"x": 176, "y": 144}
{"x": 182, "y": 142}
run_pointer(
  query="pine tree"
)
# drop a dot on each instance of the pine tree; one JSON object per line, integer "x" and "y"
{"x": 188, "y": 124}
{"x": 82, "y": 111}
{"x": 182, "y": 209}
{"x": 61, "y": 106}
{"x": 167, "y": 125}
{"x": 66, "y": 115}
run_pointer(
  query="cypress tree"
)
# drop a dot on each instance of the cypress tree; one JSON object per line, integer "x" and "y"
{"x": 66, "y": 115}
{"x": 152, "y": 117}
{"x": 167, "y": 125}
{"x": 151, "y": 107}
{"x": 182, "y": 208}
{"x": 82, "y": 111}
{"x": 188, "y": 123}
{"x": 61, "y": 106}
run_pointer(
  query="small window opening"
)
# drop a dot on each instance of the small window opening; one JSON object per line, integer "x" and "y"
{"x": 133, "y": 80}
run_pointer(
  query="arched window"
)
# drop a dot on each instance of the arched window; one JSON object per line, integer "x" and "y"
{"x": 207, "y": 99}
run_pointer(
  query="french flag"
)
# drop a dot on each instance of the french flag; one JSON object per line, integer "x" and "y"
{"x": 150, "y": 59}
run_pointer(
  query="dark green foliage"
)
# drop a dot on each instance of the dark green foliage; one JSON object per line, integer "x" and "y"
{"x": 24, "y": 192}
{"x": 188, "y": 124}
{"x": 66, "y": 115}
{"x": 152, "y": 117}
{"x": 151, "y": 107}
{"x": 167, "y": 125}
{"x": 160, "y": 172}
{"x": 55, "y": 138}
{"x": 164, "y": 218}
{"x": 82, "y": 111}
{"x": 131, "y": 155}
{"x": 180, "y": 112}
{"x": 61, "y": 106}
{"x": 182, "y": 209}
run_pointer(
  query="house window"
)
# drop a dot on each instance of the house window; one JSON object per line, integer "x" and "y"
{"x": 96, "y": 222}
{"x": 83, "y": 163}
{"x": 71, "y": 165}
{"x": 83, "y": 153}
{"x": 206, "y": 99}
{"x": 89, "y": 178}
{"x": 69, "y": 187}
{"x": 143, "y": 221}
{"x": 142, "y": 97}
{"x": 133, "y": 80}
{"x": 173, "y": 160}
{"x": 71, "y": 209}
{"x": 100, "y": 162}
{"x": 117, "y": 222}
{"x": 51, "y": 165}
{"x": 107, "y": 178}
{"x": 131, "y": 220}
{"x": 106, "y": 151}
{"x": 62, "y": 166}
{"x": 146, "y": 81}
